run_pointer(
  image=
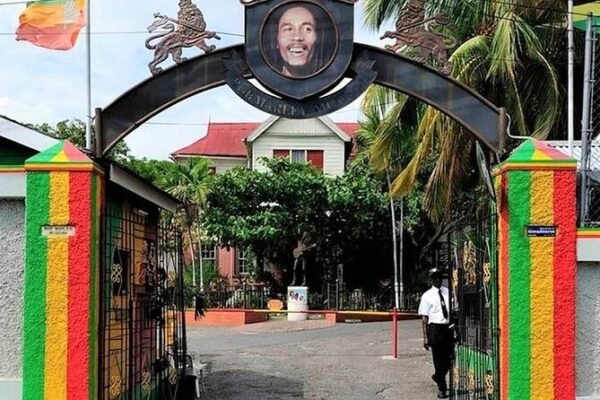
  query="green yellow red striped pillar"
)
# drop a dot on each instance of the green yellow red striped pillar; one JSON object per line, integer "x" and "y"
{"x": 537, "y": 273}
{"x": 64, "y": 196}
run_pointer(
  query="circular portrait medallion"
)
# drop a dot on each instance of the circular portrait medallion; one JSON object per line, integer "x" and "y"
{"x": 298, "y": 39}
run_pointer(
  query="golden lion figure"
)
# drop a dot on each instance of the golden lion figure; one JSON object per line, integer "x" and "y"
{"x": 189, "y": 32}
{"x": 412, "y": 31}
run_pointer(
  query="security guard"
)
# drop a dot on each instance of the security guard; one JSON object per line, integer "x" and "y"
{"x": 437, "y": 335}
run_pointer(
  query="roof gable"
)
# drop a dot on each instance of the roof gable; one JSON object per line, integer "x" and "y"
{"x": 24, "y": 136}
{"x": 278, "y": 125}
{"x": 221, "y": 140}
{"x": 227, "y": 139}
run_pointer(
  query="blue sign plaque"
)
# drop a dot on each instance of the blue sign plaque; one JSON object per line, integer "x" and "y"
{"x": 541, "y": 231}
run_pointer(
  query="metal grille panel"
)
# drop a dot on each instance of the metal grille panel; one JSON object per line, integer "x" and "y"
{"x": 142, "y": 332}
{"x": 475, "y": 372}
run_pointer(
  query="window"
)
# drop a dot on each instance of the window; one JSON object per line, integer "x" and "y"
{"x": 208, "y": 251}
{"x": 315, "y": 157}
{"x": 298, "y": 156}
{"x": 243, "y": 262}
{"x": 281, "y": 153}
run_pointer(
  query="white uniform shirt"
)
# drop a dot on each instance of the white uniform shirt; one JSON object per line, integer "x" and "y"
{"x": 431, "y": 306}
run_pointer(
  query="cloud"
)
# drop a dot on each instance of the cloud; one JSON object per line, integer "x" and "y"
{"x": 39, "y": 85}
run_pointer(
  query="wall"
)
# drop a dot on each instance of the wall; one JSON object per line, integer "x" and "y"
{"x": 223, "y": 164}
{"x": 588, "y": 329}
{"x": 12, "y": 242}
{"x": 311, "y": 134}
{"x": 226, "y": 262}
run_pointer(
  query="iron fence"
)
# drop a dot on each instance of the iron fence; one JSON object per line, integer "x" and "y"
{"x": 245, "y": 296}
{"x": 332, "y": 297}
{"x": 591, "y": 201}
{"x": 473, "y": 278}
{"x": 370, "y": 300}
{"x": 141, "y": 320}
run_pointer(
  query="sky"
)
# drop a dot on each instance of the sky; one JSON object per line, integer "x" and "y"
{"x": 39, "y": 85}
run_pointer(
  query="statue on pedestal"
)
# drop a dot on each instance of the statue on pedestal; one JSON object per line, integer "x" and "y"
{"x": 303, "y": 246}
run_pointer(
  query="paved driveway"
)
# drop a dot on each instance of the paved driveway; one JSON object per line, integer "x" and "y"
{"x": 281, "y": 360}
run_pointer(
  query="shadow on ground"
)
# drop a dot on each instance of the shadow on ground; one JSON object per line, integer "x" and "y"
{"x": 249, "y": 385}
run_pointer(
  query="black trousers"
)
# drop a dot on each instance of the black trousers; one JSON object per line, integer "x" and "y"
{"x": 442, "y": 349}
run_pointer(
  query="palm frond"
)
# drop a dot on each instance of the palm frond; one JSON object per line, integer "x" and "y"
{"x": 376, "y": 12}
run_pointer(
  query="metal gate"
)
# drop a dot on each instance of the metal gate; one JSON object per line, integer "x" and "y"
{"x": 142, "y": 331}
{"x": 474, "y": 288}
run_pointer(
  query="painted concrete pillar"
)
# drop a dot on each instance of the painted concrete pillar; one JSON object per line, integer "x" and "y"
{"x": 64, "y": 189}
{"x": 537, "y": 221}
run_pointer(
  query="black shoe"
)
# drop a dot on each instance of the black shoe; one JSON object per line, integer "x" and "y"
{"x": 434, "y": 379}
{"x": 442, "y": 394}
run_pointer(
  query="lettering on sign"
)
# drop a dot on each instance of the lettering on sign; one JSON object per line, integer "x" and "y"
{"x": 307, "y": 108}
{"x": 541, "y": 231}
{"x": 58, "y": 230}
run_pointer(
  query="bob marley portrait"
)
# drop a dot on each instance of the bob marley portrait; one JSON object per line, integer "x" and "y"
{"x": 298, "y": 39}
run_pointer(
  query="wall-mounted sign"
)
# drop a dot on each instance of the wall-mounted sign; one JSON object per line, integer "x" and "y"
{"x": 299, "y": 49}
{"x": 541, "y": 231}
{"x": 58, "y": 230}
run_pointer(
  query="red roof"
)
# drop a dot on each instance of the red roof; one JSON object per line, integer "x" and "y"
{"x": 349, "y": 127}
{"x": 227, "y": 139}
{"x": 221, "y": 140}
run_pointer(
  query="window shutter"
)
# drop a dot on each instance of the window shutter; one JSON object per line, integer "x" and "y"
{"x": 315, "y": 157}
{"x": 281, "y": 153}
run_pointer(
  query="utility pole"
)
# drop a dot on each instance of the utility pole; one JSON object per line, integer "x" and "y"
{"x": 401, "y": 263}
{"x": 394, "y": 245}
{"x": 570, "y": 95}
{"x": 588, "y": 86}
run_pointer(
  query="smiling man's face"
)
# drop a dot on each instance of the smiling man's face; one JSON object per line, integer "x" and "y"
{"x": 296, "y": 36}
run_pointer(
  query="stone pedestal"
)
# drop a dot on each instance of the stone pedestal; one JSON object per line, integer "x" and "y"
{"x": 60, "y": 329}
{"x": 297, "y": 301}
{"x": 537, "y": 273}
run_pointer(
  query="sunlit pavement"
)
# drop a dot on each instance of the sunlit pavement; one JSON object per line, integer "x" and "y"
{"x": 283, "y": 360}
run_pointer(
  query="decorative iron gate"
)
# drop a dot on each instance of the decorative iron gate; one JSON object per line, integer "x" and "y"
{"x": 474, "y": 287}
{"x": 142, "y": 331}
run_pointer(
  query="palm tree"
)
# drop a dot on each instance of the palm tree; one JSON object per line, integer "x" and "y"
{"x": 189, "y": 182}
{"x": 504, "y": 53}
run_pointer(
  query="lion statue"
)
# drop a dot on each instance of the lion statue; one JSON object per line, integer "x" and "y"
{"x": 190, "y": 32}
{"x": 412, "y": 31}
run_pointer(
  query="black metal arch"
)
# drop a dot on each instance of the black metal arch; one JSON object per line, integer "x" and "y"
{"x": 480, "y": 117}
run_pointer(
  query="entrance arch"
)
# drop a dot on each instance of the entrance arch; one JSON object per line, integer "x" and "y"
{"x": 480, "y": 117}
{"x": 368, "y": 64}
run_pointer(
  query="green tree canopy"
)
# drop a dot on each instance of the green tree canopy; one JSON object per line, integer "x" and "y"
{"x": 347, "y": 217}
{"x": 507, "y": 51}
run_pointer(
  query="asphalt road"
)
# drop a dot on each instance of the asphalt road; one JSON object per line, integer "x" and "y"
{"x": 283, "y": 360}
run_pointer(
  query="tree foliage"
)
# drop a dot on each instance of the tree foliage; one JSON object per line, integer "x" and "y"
{"x": 347, "y": 217}
{"x": 506, "y": 52}
{"x": 74, "y": 131}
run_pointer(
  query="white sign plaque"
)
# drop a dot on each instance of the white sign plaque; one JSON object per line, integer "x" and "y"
{"x": 58, "y": 230}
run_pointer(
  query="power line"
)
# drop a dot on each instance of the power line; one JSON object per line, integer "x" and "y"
{"x": 512, "y": 4}
{"x": 178, "y": 123}
{"x": 509, "y": 3}
{"x": 122, "y": 33}
{"x": 540, "y": 8}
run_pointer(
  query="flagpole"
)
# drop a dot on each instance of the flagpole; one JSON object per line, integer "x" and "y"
{"x": 88, "y": 125}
